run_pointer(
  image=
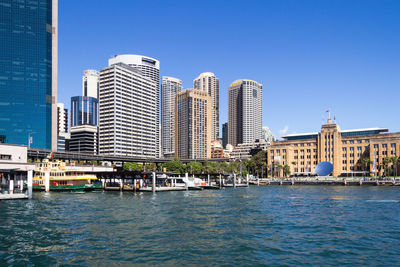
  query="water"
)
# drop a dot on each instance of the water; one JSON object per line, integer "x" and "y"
{"x": 275, "y": 225}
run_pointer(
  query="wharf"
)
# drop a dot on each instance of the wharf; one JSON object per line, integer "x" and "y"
{"x": 162, "y": 189}
{"x": 237, "y": 185}
{"x": 344, "y": 182}
{"x": 13, "y": 196}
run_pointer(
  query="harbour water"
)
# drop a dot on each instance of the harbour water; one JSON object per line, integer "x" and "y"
{"x": 273, "y": 225}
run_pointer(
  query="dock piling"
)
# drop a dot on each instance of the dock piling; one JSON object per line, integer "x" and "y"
{"x": 247, "y": 179}
{"x": 220, "y": 185}
{"x": 154, "y": 182}
{"x": 234, "y": 180}
{"x": 11, "y": 185}
{"x": 47, "y": 181}
{"x": 30, "y": 175}
{"x": 208, "y": 180}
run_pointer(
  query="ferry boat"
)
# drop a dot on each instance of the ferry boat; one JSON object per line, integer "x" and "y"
{"x": 63, "y": 178}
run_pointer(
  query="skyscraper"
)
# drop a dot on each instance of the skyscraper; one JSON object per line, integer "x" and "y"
{"x": 62, "y": 126}
{"x": 245, "y": 112}
{"x": 28, "y": 71}
{"x": 193, "y": 124}
{"x": 150, "y": 68}
{"x": 209, "y": 83}
{"x": 85, "y": 115}
{"x": 84, "y": 110}
{"x": 169, "y": 88}
{"x": 128, "y": 112}
{"x": 90, "y": 83}
{"x": 62, "y": 122}
{"x": 267, "y": 135}
{"x": 224, "y": 134}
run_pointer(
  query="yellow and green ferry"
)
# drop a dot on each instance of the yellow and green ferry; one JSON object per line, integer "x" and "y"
{"x": 63, "y": 178}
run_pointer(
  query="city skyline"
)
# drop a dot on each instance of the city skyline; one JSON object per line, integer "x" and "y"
{"x": 340, "y": 63}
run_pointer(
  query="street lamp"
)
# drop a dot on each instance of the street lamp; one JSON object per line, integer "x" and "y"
{"x": 30, "y": 139}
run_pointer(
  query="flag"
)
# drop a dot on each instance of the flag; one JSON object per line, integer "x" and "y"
{"x": 50, "y": 155}
{"x": 328, "y": 110}
{"x": 374, "y": 166}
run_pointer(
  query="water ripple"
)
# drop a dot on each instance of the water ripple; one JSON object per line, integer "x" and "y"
{"x": 276, "y": 225}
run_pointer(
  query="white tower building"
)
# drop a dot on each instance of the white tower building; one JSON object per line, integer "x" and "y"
{"x": 90, "y": 83}
{"x": 170, "y": 86}
{"x": 149, "y": 68}
{"x": 128, "y": 112}
{"x": 209, "y": 83}
{"x": 245, "y": 112}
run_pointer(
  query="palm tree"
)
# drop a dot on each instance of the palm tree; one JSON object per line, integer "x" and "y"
{"x": 366, "y": 162}
{"x": 286, "y": 170}
{"x": 385, "y": 165}
{"x": 394, "y": 160}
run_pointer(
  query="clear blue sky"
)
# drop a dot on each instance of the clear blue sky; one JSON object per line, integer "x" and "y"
{"x": 310, "y": 56}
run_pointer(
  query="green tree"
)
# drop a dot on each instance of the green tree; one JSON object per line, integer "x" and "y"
{"x": 195, "y": 167}
{"x": 366, "y": 162}
{"x": 132, "y": 166}
{"x": 286, "y": 170}
{"x": 175, "y": 166}
{"x": 258, "y": 162}
{"x": 394, "y": 160}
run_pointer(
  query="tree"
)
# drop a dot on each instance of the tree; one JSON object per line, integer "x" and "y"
{"x": 175, "y": 166}
{"x": 279, "y": 167}
{"x": 132, "y": 166}
{"x": 286, "y": 170}
{"x": 394, "y": 160}
{"x": 195, "y": 167}
{"x": 385, "y": 166}
{"x": 258, "y": 162}
{"x": 150, "y": 166}
{"x": 366, "y": 162}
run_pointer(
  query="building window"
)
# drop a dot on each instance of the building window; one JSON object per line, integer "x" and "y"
{"x": 384, "y": 145}
{"x": 344, "y": 148}
{"x": 344, "y": 142}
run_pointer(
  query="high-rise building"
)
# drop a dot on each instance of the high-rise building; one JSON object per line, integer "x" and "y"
{"x": 267, "y": 135}
{"x": 150, "y": 68}
{"x": 62, "y": 122}
{"x": 84, "y": 110}
{"x": 169, "y": 88}
{"x": 209, "y": 83}
{"x": 128, "y": 112}
{"x": 28, "y": 71}
{"x": 62, "y": 126}
{"x": 90, "y": 83}
{"x": 193, "y": 124}
{"x": 245, "y": 112}
{"x": 224, "y": 134}
{"x": 84, "y": 139}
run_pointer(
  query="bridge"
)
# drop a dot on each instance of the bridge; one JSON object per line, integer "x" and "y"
{"x": 42, "y": 154}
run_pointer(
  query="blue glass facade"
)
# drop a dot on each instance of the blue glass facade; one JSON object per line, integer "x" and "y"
{"x": 84, "y": 110}
{"x": 26, "y": 72}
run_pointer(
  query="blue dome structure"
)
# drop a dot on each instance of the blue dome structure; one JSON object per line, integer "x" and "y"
{"x": 324, "y": 168}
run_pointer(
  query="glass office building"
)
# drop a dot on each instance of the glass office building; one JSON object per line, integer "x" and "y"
{"x": 84, "y": 110}
{"x": 26, "y": 58}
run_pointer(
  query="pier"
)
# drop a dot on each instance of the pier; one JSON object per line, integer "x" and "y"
{"x": 328, "y": 181}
